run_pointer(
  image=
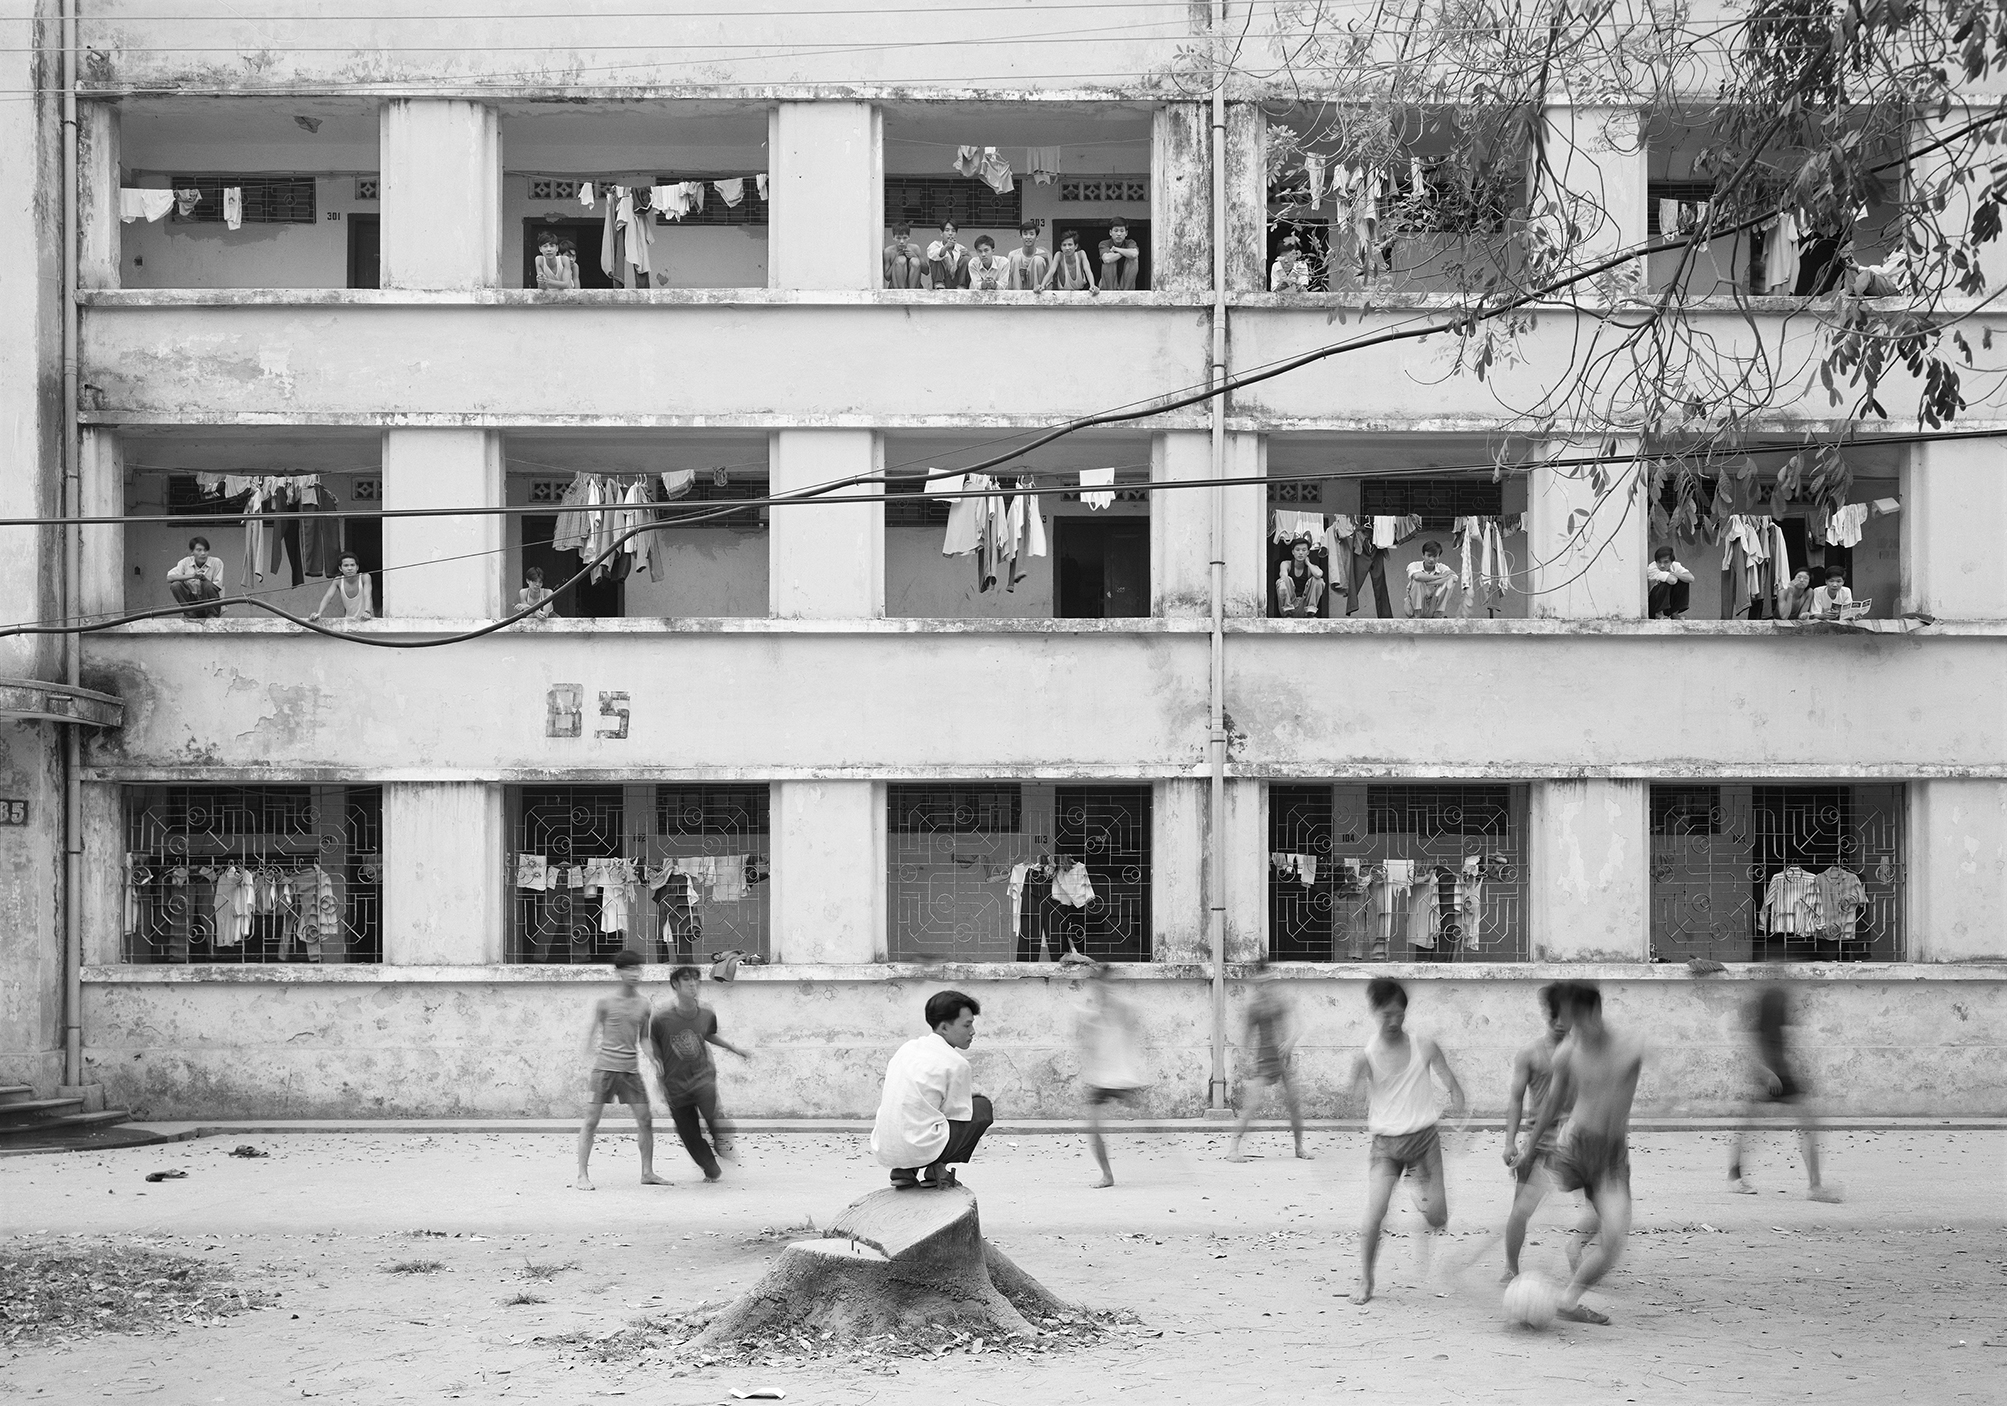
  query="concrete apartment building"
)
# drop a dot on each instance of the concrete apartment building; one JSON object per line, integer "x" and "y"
{"x": 320, "y": 878}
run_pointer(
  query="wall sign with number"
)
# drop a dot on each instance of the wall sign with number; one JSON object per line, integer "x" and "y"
{"x": 564, "y": 713}
{"x": 13, "y": 812}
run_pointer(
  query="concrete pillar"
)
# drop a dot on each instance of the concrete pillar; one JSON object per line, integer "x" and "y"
{"x": 444, "y": 848}
{"x": 104, "y": 873}
{"x": 1957, "y": 870}
{"x": 1247, "y": 199}
{"x": 103, "y": 495}
{"x": 1954, "y": 511}
{"x": 826, "y": 562}
{"x": 1181, "y": 524}
{"x": 442, "y": 568}
{"x": 1588, "y": 540}
{"x": 1181, "y": 199}
{"x": 1598, "y": 158}
{"x": 828, "y": 872}
{"x": 1588, "y": 881}
{"x": 98, "y": 182}
{"x": 441, "y": 189}
{"x": 1177, "y": 872}
{"x": 826, "y": 192}
{"x": 1245, "y": 835}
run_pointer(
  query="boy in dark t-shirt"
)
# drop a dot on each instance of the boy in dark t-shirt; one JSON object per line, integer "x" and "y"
{"x": 681, "y": 1035}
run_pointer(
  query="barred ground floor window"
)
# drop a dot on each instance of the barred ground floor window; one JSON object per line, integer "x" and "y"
{"x": 1402, "y": 873}
{"x": 244, "y": 875}
{"x": 676, "y": 873}
{"x": 1003, "y": 871}
{"x": 1766, "y": 873}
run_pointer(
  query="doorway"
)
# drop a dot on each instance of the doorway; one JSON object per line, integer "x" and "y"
{"x": 1092, "y": 232}
{"x": 365, "y": 251}
{"x": 585, "y": 237}
{"x": 604, "y": 599}
{"x": 1104, "y": 568}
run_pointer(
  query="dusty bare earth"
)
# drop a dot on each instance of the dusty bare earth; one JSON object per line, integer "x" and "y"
{"x": 433, "y": 1268}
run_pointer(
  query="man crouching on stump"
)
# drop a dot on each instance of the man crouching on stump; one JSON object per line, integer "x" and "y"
{"x": 929, "y": 1119}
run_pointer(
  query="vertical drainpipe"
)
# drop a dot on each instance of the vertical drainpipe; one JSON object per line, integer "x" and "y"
{"x": 1216, "y": 741}
{"x": 72, "y": 575}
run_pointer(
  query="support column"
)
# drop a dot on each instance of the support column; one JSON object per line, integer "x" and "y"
{"x": 1954, "y": 511}
{"x": 826, "y": 192}
{"x": 826, "y": 562}
{"x": 1588, "y": 881}
{"x": 442, "y": 193}
{"x": 98, "y": 181}
{"x": 1247, "y": 199}
{"x": 1177, "y": 872}
{"x": 443, "y": 568}
{"x": 103, "y": 495}
{"x": 828, "y": 872}
{"x": 1957, "y": 867}
{"x": 1245, "y": 835}
{"x": 1181, "y": 527}
{"x": 1588, "y": 535}
{"x": 1598, "y": 156}
{"x": 444, "y": 847}
{"x": 1181, "y": 200}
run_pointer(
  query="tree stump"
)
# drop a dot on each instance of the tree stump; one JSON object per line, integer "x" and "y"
{"x": 894, "y": 1262}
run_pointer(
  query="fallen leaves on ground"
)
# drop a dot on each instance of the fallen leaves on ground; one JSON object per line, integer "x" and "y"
{"x": 78, "y": 1291}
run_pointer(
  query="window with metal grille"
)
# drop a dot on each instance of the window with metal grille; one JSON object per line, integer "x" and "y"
{"x": 925, "y": 201}
{"x": 676, "y": 873}
{"x": 268, "y": 200}
{"x": 907, "y": 504}
{"x": 697, "y": 507}
{"x": 752, "y": 209}
{"x": 1396, "y": 873}
{"x": 1780, "y": 873}
{"x": 1437, "y": 501}
{"x": 1686, "y": 810}
{"x": 972, "y": 871}
{"x": 253, "y": 875}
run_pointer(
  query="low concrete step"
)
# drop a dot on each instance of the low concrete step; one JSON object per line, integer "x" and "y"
{"x": 12, "y": 1093}
{"x": 102, "y": 1118}
{"x": 21, "y": 1110}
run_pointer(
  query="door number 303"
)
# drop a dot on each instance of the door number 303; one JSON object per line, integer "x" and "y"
{"x": 564, "y": 713}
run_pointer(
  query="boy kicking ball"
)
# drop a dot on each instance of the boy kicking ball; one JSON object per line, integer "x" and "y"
{"x": 1402, "y": 1114}
{"x": 619, "y": 1025}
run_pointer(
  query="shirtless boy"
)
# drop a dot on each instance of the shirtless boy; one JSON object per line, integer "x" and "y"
{"x": 1595, "y": 1078}
{"x": 1401, "y": 1115}
{"x": 1532, "y": 1074}
{"x": 619, "y": 1026}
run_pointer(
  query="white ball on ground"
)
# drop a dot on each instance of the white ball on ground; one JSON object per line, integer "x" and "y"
{"x": 1530, "y": 1300}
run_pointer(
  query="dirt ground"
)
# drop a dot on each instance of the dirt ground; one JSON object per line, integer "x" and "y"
{"x": 1899, "y": 1294}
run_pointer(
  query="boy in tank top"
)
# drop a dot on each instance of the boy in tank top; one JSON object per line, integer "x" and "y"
{"x": 1395, "y": 1069}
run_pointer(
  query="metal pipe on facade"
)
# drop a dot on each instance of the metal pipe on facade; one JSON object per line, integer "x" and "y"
{"x": 1216, "y": 740}
{"x": 72, "y": 576}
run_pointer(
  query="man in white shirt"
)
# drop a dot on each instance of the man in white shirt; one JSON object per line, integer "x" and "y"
{"x": 197, "y": 580}
{"x": 929, "y": 1118}
{"x": 1668, "y": 585}
{"x": 1827, "y": 599}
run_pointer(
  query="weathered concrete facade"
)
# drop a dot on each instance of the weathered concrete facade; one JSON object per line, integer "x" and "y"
{"x": 842, "y": 687}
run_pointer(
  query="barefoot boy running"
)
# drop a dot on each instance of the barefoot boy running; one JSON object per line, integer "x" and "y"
{"x": 619, "y": 1025}
{"x": 1597, "y": 1070}
{"x": 1395, "y": 1068}
{"x": 1532, "y": 1074}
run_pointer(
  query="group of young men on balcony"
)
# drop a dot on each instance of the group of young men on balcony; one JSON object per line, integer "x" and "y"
{"x": 947, "y": 263}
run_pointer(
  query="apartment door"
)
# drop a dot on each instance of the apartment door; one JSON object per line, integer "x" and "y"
{"x": 364, "y": 537}
{"x": 365, "y": 251}
{"x": 584, "y": 235}
{"x": 1104, "y": 567}
{"x": 604, "y": 599}
{"x": 1092, "y": 232}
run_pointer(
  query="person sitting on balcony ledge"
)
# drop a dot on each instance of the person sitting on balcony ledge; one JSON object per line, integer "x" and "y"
{"x": 987, "y": 273}
{"x": 1828, "y": 599}
{"x": 1299, "y": 590}
{"x": 556, "y": 270}
{"x": 1071, "y": 272}
{"x": 1669, "y": 585}
{"x": 1290, "y": 273}
{"x": 905, "y": 265}
{"x": 197, "y": 580}
{"x": 349, "y": 593}
{"x": 948, "y": 259}
{"x": 1120, "y": 258}
{"x": 1029, "y": 264}
{"x": 1794, "y": 597}
{"x": 1429, "y": 583}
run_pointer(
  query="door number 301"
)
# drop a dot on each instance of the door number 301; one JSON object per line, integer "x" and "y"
{"x": 564, "y": 714}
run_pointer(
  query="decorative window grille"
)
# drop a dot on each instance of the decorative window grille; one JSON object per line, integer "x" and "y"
{"x": 1310, "y": 494}
{"x": 924, "y": 201}
{"x": 1104, "y": 190}
{"x": 1464, "y": 902}
{"x": 548, "y": 188}
{"x": 366, "y": 490}
{"x": 548, "y": 490}
{"x": 715, "y": 835}
{"x": 952, "y": 848}
{"x": 1718, "y": 853}
{"x": 365, "y": 187}
{"x": 183, "y": 841}
{"x": 697, "y": 508}
{"x": 282, "y": 200}
{"x": 1438, "y": 501}
{"x": 907, "y": 504}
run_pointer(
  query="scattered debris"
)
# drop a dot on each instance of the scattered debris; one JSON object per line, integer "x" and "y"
{"x": 172, "y": 1174}
{"x": 532, "y": 1270}
{"x": 244, "y": 1149}
{"x": 415, "y": 1267}
{"x": 65, "y": 1294}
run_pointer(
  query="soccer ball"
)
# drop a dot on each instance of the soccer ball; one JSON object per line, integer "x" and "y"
{"x": 1530, "y": 1301}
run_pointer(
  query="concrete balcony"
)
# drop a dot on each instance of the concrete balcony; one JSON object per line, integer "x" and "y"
{"x": 924, "y": 698}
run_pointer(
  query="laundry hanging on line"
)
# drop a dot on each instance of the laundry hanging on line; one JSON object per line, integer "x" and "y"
{"x": 1001, "y": 526}
{"x": 283, "y": 523}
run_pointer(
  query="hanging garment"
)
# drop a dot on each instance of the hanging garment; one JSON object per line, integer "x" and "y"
{"x": 569, "y": 532}
{"x": 1071, "y": 886}
{"x": 1843, "y": 529}
{"x": 967, "y": 160}
{"x": 966, "y": 517}
{"x": 1470, "y": 902}
{"x": 186, "y": 198}
{"x": 1838, "y": 897}
{"x": 609, "y": 235}
{"x": 1015, "y": 895}
{"x": 1290, "y": 525}
{"x": 1387, "y": 895}
{"x": 233, "y": 207}
{"x": 1487, "y": 571}
{"x": 148, "y": 205}
{"x": 1100, "y": 481}
{"x": 728, "y": 880}
{"x": 1041, "y": 163}
{"x": 994, "y": 172}
{"x": 1790, "y": 903}
{"x": 760, "y": 184}
{"x": 637, "y": 514}
{"x": 1424, "y": 925}
{"x": 1780, "y": 254}
{"x": 236, "y": 894}
{"x": 320, "y": 537}
{"x": 731, "y": 192}
{"x": 635, "y": 228}
{"x": 585, "y": 196}
{"x": 1034, "y": 521}
{"x": 1315, "y": 167}
{"x": 530, "y": 871}
{"x": 677, "y": 482}
{"x": 1383, "y": 531}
